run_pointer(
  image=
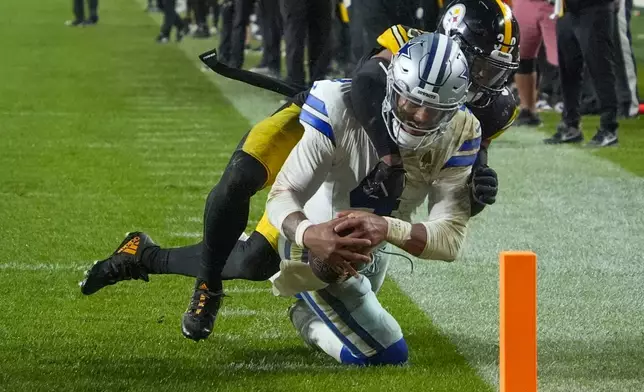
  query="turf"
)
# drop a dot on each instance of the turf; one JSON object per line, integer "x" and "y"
{"x": 105, "y": 132}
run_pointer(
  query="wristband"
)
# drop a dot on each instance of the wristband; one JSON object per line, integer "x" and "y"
{"x": 398, "y": 231}
{"x": 299, "y": 232}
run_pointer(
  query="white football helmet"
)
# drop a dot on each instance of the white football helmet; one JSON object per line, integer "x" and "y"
{"x": 427, "y": 83}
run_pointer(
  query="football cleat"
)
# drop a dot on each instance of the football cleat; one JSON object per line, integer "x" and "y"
{"x": 301, "y": 317}
{"x": 199, "y": 318}
{"x": 124, "y": 264}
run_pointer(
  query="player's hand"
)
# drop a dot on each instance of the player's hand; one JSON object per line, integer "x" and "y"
{"x": 323, "y": 241}
{"x": 484, "y": 185}
{"x": 386, "y": 181}
{"x": 370, "y": 226}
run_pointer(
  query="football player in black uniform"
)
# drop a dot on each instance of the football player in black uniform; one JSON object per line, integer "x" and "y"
{"x": 489, "y": 36}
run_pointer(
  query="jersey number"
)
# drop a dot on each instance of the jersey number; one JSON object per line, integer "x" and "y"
{"x": 499, "y": 45}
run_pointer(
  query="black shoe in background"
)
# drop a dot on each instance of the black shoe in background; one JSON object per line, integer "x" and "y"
{"x": 565, "y": 134}
{"x": 526, "y": 118}
{"x": 603, "y": 138}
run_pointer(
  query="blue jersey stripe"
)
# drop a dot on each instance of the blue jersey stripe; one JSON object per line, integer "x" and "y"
{"x": 471, "y": 144}
{"x": 461, "y": 161}
{"x": 317, "y": 123}
{"x": 317, "y": 104}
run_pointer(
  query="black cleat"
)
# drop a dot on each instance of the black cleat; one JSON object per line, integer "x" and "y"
{"x": 123, "y": 264}
{"x": 199, "y": 318}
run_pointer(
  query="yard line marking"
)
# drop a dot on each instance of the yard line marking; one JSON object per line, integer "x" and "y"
{"x": 20, "y": 266}
{"x": 187, "y": 234}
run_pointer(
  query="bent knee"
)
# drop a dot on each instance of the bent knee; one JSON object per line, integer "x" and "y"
{"x": 395, "y": 354}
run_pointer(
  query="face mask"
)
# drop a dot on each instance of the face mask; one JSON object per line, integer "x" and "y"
{"x": 409, "y": 141}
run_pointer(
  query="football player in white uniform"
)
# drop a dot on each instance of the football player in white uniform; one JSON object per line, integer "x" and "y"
{"x": 439, "y": 138}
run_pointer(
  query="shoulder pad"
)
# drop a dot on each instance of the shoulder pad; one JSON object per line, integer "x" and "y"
{"x": 396, "y": 36}
{"x": 325, "y": 98}
{"x": 498, "y": 116}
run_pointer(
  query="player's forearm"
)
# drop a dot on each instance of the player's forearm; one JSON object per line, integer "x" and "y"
{"x": 290, "y": 224}
{"x": 435, "y": 240}
{"x": 282, "y": 206}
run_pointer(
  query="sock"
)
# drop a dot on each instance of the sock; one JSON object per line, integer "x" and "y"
{"x": 322, "y": 336}
{"x": 177, "y": 261}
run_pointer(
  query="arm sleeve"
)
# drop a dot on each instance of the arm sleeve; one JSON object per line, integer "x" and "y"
{"x": 449, "y": 199}
{"x": 448, "y": 215}
{"x": 303, "y": 172}
{"x": 368, "y": 89}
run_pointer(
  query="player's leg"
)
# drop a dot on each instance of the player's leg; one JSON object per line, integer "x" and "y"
{"x": 268, "y": 145}
{"x": 254, "y": 258}
{"x": 347, "y": 321}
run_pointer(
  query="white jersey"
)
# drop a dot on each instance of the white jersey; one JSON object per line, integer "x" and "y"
{"x": 323, "y": 173}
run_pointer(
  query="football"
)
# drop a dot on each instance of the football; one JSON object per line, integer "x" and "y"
{"x": 329, "y": 272}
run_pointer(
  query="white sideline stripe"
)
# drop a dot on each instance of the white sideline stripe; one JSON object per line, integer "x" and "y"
{"x": 33, "y": 194}
{"x": 194, "y": 219}
{"x": 182, "y": 164}
{"x": 152, "y": 107}
{"x": 188, "y": 173}
{"x": 187, "y": 234}
{"x": 201, "y": 156}
{"x": 19, "y": 266}
{"x": 240, "y": 312}
{"x": 181, "y": 140}
{"x": 249, "y": 290}
{"x": 277, "y": 366}
{"x": 206, "y": 185}
{"x": 29, "y": 113}
{"x": 176, "y": 133}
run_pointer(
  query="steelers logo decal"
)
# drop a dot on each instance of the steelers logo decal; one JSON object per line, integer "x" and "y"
{"x": 453, "y": 17}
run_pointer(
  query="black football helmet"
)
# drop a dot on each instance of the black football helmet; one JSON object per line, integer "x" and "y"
{"x": 488, "y": 34}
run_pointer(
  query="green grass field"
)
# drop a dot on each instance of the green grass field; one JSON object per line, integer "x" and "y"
{"x": 102, "y": 132}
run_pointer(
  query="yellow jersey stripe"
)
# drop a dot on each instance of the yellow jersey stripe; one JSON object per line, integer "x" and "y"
{"x": 403, "y": 33}
{"x": 507, "y": 21}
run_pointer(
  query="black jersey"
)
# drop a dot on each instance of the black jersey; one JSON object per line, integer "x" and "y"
{"x": 498, "y": 116}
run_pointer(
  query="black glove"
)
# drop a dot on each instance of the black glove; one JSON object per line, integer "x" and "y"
{"x": 483, "y": 188}
{"x": 385, "y": 182}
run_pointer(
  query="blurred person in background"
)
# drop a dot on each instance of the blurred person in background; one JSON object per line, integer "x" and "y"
{"x": 537, "y": 26}
{"x": 154, "y": 6}
{"x": 307, "y": 23}
{"x": 626, "y": 66}
{"x": 342, "y": 64}
{"x": 585, "y": 35}
{"x": 79, "y": 13}
{"x": 270, "y": 22}
{"x": 227, "y": 12}
{"x": 369, "y": 18}
{"x": 202, "y": 8}
{"x": 241, "y": 11}
{"x": 171, "y": 18}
